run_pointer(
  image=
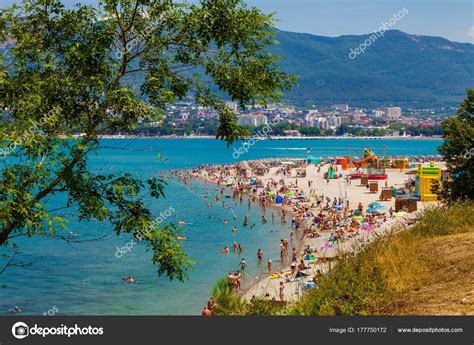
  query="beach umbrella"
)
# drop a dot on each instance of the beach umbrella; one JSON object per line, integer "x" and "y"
{"x": 327, "y": 245}
{"x": 309, "y": 257}
{"x": 358, "y": 218}
{"x": 368, "y": 227}
{"x": 375, "y": 203}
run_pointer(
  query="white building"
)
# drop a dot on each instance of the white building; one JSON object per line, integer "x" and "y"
{"x": 335, "y": 121}
{"x": 392, "y": 113}
{"x": 378, "y": 113}
{"x": 317, "y": 121}
{"x": 252, "y": 120}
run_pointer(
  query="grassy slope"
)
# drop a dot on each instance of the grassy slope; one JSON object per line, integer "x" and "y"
{"x": 428, "y": 269}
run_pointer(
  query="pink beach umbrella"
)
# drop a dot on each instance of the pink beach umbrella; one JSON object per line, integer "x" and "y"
{"x": 368, "y": 227}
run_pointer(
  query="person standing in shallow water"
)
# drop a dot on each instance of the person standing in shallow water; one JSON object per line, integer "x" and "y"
{"x": 260, "y": 255}
{"x": 269, "y": 266}
{"x": 243, "y": 265}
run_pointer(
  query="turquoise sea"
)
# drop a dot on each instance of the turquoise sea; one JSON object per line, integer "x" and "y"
{"x": 86, "y": 278}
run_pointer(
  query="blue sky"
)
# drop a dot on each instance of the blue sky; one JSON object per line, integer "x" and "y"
{"x": 452, "y": 19}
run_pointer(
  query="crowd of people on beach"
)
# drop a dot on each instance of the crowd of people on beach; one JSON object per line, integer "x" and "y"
{"x": 313, "y": 215}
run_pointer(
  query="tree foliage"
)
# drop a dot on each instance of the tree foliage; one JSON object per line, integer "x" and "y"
{"x": 74, "y": 71}
{"x": 458, "y": 151}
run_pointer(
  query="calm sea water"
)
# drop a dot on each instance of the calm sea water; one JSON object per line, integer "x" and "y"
{"x": 86, "y": 278}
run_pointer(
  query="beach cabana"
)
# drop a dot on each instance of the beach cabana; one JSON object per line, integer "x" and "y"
{"x": 244, "y": 165}
{"x": 260, "y": 168}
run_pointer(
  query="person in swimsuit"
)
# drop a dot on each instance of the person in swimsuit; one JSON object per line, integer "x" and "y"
{"x": 269, "y": 266}
{"x": 243, "y": 265}
{"x": 206, "y": 311}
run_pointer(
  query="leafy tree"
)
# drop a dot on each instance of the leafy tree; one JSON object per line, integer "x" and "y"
{"x": 228, "y": 302}
{"x": 94, "y": 70}
{"x": 458, "y": 151}
{"x": 311, "y": 131}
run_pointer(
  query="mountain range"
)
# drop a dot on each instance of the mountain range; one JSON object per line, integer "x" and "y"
{"x": 396, "y": 68}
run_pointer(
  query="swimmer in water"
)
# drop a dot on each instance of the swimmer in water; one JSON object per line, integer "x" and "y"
{"x": 129, "y": 279}
{"x": 234, "y": 229}
{"x": 15, "y": 310}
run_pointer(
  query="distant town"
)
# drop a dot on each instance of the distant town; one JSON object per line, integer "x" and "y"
{"x": 282, "y": 120}
{"x": 187, "y": 119}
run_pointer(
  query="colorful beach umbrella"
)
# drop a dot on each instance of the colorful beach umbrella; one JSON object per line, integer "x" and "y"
{"x": 368, "y": 227}
{"x": 327, "y": 245}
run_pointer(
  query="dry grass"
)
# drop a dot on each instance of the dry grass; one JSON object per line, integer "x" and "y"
{"x": 448, "y": 287}
{"x": 425, "y": 270}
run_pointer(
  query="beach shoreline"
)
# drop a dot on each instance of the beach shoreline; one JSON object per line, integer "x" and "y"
{"x": 270, "y": 138}
{"x": 267, "y": 284}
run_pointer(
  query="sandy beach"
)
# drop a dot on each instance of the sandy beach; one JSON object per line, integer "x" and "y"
{"x": 316, "y": 244}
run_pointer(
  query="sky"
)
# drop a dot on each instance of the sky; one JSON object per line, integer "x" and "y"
{"x": 452, "y": 19}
